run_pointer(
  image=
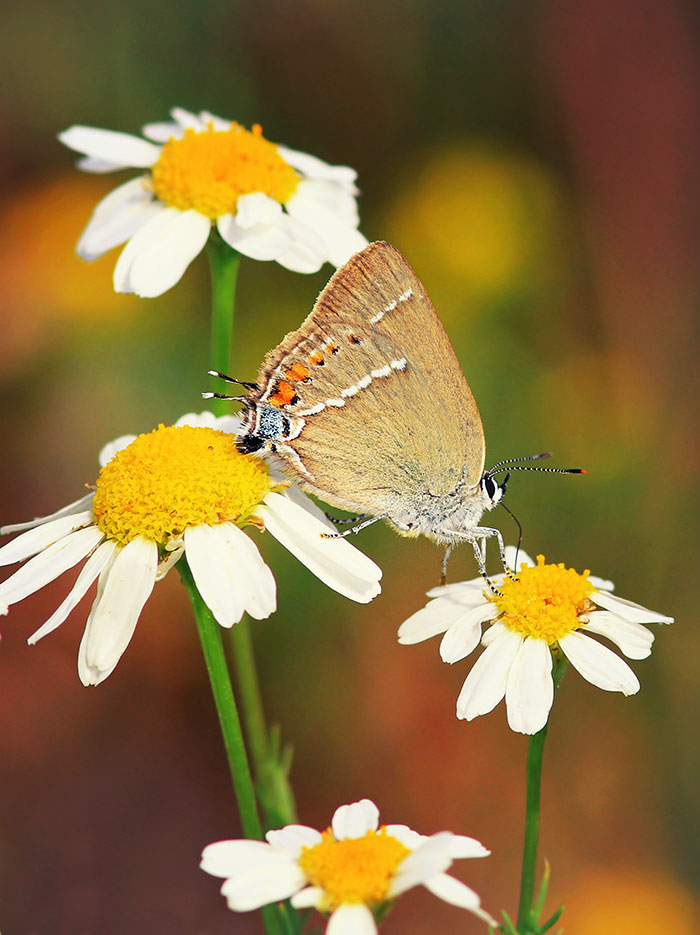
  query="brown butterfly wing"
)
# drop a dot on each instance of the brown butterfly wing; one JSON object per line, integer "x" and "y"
{"x": 389, "y": 417}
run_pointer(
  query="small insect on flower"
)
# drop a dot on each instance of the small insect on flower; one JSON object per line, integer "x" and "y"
{"x": 180, "y": 490}
{"x": 266, "y": 201}
{"x": 352, "y": 871}
{"x": 546, "y": 610}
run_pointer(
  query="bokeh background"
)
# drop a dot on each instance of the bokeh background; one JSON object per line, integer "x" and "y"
{"x": 537, "y": 164}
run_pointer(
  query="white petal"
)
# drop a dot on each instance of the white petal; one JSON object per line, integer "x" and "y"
{"x": 219, "y": 123}
{"x": 122, "y": 149}
{"x": 39, "y": 537}
{"x": 340, "y": 239}
{"x": 598, "y": 664}
{"x": 293, "y": 838}
{"x": 252, "y": 576}
{"x": 116, "y": 218}
{"x": 112, "y": 448}
{"x": 115, "y": 612}
{"x": 494, "y": 631}
{"x": 530, "y": 688}
{"x": 49, "y": 564}
{"x": 340, "y": 202}
{"x": 468, "y": 593}
{"x": 464, "y": 635}
{"x": 259, "y": 242}
{"x": 210, "y": 560}
{"x": 162, "y": 132}
{"x": 456, "y": 893}
{"x": 486, "y": 684}
{"x": 334, "y": 561}
{"x": 314, "y": 168}
{"x": 257, "y": 208}
{"x": 230, "y": 424}
{"x": 71, "y": 509}
{"x": 97, "y": 166}
{"x": 257, "y": 886}
{"x": 407, "y": 836}
{"x": 352, "y": 919}
{"x": 308, "y": 898}
{"x": 354, "y": 821}
{"x": 632, "y": 638}
{"x": 433, "y": 856}
{"x": 436, "y": 617}
{"x": 143, "y": 238}
{"x": 94, "y": 566}
{"x": 307, "y": 252}
{"x": 627, "y": 609}
{"x": 601, "y": 583}
{"x": 225, "y": 858}
{"x": 463, "y": 846}
{"x": 167, "y": 250}
{"x": 186, "y": 119}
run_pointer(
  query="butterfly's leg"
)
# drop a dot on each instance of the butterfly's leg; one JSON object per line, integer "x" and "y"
{"x": 475, "y": 541}
{"x": 344, "y": 520}
{"x": 487, "y": 532}
{"x": 349, "y": 532}
{"x": 445, "y": 560}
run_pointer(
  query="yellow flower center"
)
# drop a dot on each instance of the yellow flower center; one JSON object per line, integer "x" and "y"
{"x": 354, "y": 870}
{"x": 209, "y": 170}
{"x": 175, "y": 477}
{"x": 545, "y": 601}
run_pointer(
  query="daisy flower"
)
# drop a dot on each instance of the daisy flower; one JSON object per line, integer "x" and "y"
{"x": 180, "y": 490}
{"x": 352, "y": 871}
{"x": 267, "y": 201}
{"x": 548, "y": 609}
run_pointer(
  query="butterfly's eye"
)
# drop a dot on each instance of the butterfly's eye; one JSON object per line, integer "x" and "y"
{"x": 491, "y": 488}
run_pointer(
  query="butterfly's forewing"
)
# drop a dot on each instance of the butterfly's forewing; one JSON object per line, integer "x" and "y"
{"x": 388, "y": 418}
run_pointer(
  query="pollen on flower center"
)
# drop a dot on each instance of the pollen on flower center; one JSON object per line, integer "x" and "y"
{"x": 354, "y": 870}
{"x": 209, "y": 170}
{"x": 545, "y": 602}
{"x": 175, "y": 477}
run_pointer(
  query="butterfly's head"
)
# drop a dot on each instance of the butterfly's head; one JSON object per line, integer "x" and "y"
{"x": 493, "y": 490}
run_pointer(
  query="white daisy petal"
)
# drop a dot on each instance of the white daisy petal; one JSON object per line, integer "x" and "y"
{"x": 259, "y": 242}
{"x": 431, "y": 857}
{"x": 341, "y": 240}
{"x": 464, "y": 635}
{"x": 94, "y": 566}
{"x": 307, "y": 252}
{"x": 407, "y": 836}
{"x": 143, "y": 238}
{"x": 355, "y": 820}
{"x": 292, "y": 838}
{"x": 186, "y": 119}
{"x": 70, "y": 510}
{"x": 162, "y": 132}
{"x": 522, "y": 558}
{"x": 97, "y": 166}
{"x": 49, "y": 564}
{"x": 601, "y": 583}
{"x": 314, "y": 168}
{"x": 270, "y": 881}
{"x": 469, "y": 593}
{"x": 115, "y": 612}
{"x": 530, "y": 688}
{"x": 598, "y": 664}
{"x": 435, "y": 618}
{"x": 211, "y": 558}
{"x": 116, "y": 218}
{"x": 252, "y": 576}
{"x": 633, "y": 639}
{"x": 463, "y": 846}
{"x": 486, "y": 684}
{"x": 334, "y": 561}
{"x": 456, "y": 893}
{"x": 309, "y": 898}
{"x": 627, "y": 609}
{"x": 218, "y": 123}
{"x": 493, "y": 632}
{"x": 122, "y": 149}
{"x": 163, "y": 260}
{"x": 352, "y": 919}
{"x": 112, "y": 448}
{"x": 224, "y": 858}
{"x": 257, "y": 208}
{"x": 39, "y": 537}
{"x": 232, "y": 425}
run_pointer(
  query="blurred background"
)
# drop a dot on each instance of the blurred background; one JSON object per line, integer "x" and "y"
{"x": 537, "y": 165}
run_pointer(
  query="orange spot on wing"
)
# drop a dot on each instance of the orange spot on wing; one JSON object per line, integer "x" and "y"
{"x": 284, "y": 394}
{"x": 298, "y": 372}
{"x": 331, "y": 348}
{"x": 316, "y": 358}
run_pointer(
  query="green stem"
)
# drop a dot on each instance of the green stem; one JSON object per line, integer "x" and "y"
{"x": 535, "y": 754}
{"x": 215, "y": 659}
{"x": 223, "y": 269}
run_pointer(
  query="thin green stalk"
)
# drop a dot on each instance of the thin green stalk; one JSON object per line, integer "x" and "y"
{"x": 217, "y": 669}
{"x": 223, "y": 269}
{"x": 535, "y": 754}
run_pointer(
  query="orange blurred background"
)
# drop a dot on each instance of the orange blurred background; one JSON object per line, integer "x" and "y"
{"x": 537, "y": 165}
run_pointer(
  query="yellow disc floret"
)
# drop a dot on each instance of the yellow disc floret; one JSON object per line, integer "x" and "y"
{"x": 209, "y": 170}
{"x": 175, "y": 477}
{"x": 545, "y": 601}
{"x": 354, "y": 870}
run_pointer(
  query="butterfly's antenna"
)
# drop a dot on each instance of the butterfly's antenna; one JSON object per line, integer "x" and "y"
{"x": 498, "y": 470}
{"x": 247, "y": 384}
{"x": 240, "y": 399}
{"x": 545, "y": 454}
{"x": 520, "y": 535}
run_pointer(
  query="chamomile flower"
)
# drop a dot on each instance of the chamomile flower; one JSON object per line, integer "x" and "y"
{"x": 352, "y": 871}
{"x": 180, "y": 490}
{"x": 266, "y": 201}
{"x": 547, "y": 609}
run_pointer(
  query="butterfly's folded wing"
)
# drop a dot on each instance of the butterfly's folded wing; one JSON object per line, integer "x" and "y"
{"x": 387, "y": 414}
